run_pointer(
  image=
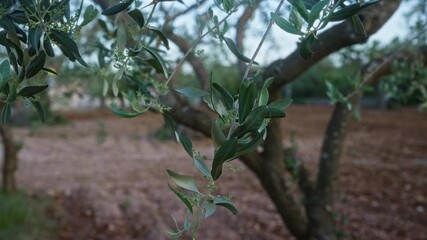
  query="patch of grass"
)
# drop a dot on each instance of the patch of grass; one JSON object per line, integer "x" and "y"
{"x": 24, "y": 218}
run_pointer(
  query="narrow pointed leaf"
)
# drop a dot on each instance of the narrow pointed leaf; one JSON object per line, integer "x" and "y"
{"x": 218, "y": 136}
{"x": 114, "y": 84}
{"x": 233, "y": 48}
{"x": 295, "y": 18}
{"x": 5, "y": 114}
{"x": 121, "y": 37}
{"x": 19, "y": 17}
{"x": 161, "y": 35}
{"x": 34, "y": 35}
{"x": 39, "y": 108}
{"x": 36, "y": 64}
{"x": 50, "y": 70}
{"x": 263, "y": 97}
{"x": 137, "y": 16}
{"x": 224, "y": 153}
{"x": 281, "y": 103}
{"x": 253, "y": 122}
{"x": 251, "y": 146}
{"x": 184, "y": 181}
{"x": 228, "y": 5}
{"x": 182, "y": 198}
{"x": 274, "y": 113}
{"x": 89, "y": 15}
{"x": 47, "y": 45}
{"x": 316, "y": 10}
{"x": 220, "y": 201}
{"x": 117, "y": 8}
{"x": 247, "y": 96}
{"x": 14, "y": 62}
{"x": 192, "y": 92}
{"x": 358, "y": 26}
{"x": 4, "y": 73}
{"x": 12, "y": 93}
{"x": 67, "y": 46}
{"x": 30, "y": 91}
{"x": 158, "y": 60}
{"x": 226, "y": 97}
{"x": 201, "y": 166}
{"x": 302, "y": 10}
{"x": 285, "y": 24}
{"x": 209, "y": 208}
{"x": 350, "y": 10}
{"x": 124, "y": 114}
{"x": 187, "y": 144}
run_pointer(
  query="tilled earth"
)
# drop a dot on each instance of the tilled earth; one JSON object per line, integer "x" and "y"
{"x": 107, "y": 176}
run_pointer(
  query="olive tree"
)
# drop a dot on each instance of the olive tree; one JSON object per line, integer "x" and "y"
{"x": 246, "y": 126}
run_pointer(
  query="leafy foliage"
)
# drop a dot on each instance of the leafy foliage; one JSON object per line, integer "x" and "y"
{"x": 28, "y": 30}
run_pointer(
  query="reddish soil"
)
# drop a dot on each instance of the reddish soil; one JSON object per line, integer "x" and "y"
{"x": 116, "y": 188}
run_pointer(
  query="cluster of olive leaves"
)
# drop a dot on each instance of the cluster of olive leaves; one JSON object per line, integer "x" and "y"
{"x": 242, "y": 120}
{"x": 407, "y": 83}
{"x": 239, "y": 129}
{"x": 29, "y": 30}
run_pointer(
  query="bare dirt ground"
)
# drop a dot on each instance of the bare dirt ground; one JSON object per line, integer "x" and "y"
{"x": 116, "y": 188}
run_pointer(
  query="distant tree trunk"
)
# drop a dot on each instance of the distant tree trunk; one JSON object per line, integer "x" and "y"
{"x": 10, "y": 159}
{"x": 240, "y": 33}
{"x": 103, "y": 104}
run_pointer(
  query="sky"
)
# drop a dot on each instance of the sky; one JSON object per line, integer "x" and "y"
{"x": 280, "y": 43}
{"x": 395, "y": 27}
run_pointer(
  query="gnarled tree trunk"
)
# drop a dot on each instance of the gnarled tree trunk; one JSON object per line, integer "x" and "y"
{"x": 10, "y": 159}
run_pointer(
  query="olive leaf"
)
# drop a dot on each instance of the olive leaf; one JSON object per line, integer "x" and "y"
{"x": 117, "y": 8}
{"x": 233, "y": 48}
{"x": 224, "y": 153}
{"x": 137, "y": 16}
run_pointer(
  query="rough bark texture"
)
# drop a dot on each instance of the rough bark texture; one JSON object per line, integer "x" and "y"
{"x": 271, "y": 175}
{"x": 10, "y": 160}
{"x": 320, "y": 207}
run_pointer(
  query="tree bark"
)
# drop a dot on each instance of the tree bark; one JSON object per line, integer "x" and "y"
{"x": 320, "y": 206}
{"x": 10, "y": 159}
{"x": 272, "y": 177}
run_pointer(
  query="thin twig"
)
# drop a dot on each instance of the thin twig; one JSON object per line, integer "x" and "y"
{"x": 261, "y": 42}
{"x": 186, "y": 11}
{"x": 195, "y": 44}
{"x": 151, "y": 13}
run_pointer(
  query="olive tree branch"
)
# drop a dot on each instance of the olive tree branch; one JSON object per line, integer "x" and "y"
{"x": 199, "y": 39}
{"x": 270, "y": 24}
